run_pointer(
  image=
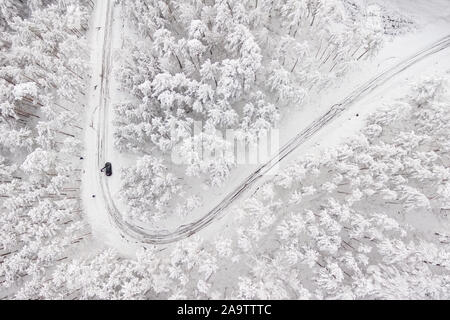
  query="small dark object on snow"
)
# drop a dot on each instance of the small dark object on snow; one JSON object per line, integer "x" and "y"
{"x": 81, "y": 158}
{"x": 93, "y": 196}
{"x": 107, "y": 169}
{"x": 357, "y": 114}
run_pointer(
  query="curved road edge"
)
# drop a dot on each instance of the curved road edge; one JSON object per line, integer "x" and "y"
{"x": 141, "y": 235}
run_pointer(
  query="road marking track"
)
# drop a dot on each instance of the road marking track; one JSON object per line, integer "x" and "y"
{"x": 141, "y": 235}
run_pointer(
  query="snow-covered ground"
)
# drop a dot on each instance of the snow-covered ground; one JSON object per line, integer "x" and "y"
{"x": 94, "y": 202}
{"x": 356, "y": 208}
{"x": 429, "y": 30}
{"x": 353, "y": 120}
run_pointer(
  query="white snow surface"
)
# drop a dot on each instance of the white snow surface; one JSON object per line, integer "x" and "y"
{"x": 95, "y": 208}
{"x": 432, "y": 19}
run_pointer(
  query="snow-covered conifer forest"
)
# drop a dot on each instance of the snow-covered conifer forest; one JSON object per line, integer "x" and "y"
{"x": 224, "y": 149}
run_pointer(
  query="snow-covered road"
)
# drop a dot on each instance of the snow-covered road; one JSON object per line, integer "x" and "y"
{"x": 101, "y": 116}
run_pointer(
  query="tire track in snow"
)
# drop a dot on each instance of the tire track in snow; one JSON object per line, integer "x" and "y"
{"x": 143, "y": 236}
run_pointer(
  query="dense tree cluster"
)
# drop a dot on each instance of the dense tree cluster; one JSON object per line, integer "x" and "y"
{"x": 148, "y": 188}
{"x": 344, "y": 224}
{"x": 326, "y": 227}
{"x": 42, "y": 86}
{"x": 229, "y": 64}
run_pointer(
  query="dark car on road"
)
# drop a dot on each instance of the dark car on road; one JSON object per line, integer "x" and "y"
{"x": 108, "y": 169}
